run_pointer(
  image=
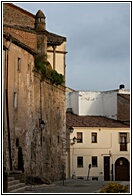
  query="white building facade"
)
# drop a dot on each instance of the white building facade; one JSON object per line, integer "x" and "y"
{"x": 101, "y": 126}
{"x": 102, "y": 143}
{"x": 95, "y": 103}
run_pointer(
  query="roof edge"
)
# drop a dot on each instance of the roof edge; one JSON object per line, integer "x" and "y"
{"x": 20, "y": 9}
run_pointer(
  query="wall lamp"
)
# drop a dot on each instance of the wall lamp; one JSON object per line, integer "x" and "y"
{"x": 74, "y": 140}
{"x": 71, "y": 129}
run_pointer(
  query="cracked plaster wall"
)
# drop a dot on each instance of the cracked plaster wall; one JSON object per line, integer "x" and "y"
{"x": 46, "y": 159}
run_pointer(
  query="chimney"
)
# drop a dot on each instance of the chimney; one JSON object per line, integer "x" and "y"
{"x": 40, "y": 21}
{"x": 122, "y": 86}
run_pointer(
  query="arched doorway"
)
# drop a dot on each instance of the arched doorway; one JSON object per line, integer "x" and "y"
{"x": 122, "y": 169}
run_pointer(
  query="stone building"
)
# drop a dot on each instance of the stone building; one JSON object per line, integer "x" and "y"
{"x": 33, "y": 92}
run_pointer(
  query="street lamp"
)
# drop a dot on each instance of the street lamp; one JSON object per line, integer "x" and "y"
{"x": 42, "y": 124}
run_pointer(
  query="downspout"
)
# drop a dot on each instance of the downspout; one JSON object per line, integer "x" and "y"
{"x": 7, "y": 108}
{"x": 40, "y": 108}
{"x": 54, "y": 47}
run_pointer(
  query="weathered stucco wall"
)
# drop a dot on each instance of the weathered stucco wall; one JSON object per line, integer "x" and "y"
{"x": 46, "y": 159}
{"x": 29, "y": 100}
{"x": 20, "y": 85}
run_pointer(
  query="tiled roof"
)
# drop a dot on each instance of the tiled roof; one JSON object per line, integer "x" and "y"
{"x": 53, "y": 39}
{"x": 92, "y": 121}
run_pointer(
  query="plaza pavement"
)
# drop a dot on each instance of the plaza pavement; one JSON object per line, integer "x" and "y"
{"x": 73, "y": 186}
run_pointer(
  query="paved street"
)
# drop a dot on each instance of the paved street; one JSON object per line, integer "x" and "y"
{"x": 72, "y": 186}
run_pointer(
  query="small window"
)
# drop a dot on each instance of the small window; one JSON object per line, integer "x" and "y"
{"x": 28, "y": 67}
{"x": 58, "y": 138}
{"x": 94, "y": 137}
{"x": 94, "y": 161}
{"x": 79, "y": 161}
{"x": 19, "y": 64}
{"x": 15, "y": 100}
{"x": 79, "y": 137}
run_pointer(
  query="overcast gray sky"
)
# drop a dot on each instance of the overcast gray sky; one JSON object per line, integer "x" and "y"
{"x": 98, "y": 41}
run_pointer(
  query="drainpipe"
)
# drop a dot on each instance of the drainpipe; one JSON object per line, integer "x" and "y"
{"x": 54, "y": 47}
{"x": 7, "y": 108}
{"x": 40, "y": 109}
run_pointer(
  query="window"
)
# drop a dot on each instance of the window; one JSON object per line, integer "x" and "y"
{"x": 94, "y": 161}
{"x": 19, "y": 64}
{"x": 15, "y": 100}
{"x": 79, "y": 161}
{"x": 94, "y": 137}
{"x": 123, "y": 141}
{"x": 79, "y": 137}
{"x": 58, "y": 138}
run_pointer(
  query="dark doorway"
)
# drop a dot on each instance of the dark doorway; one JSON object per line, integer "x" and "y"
{"x": 107, "y": 168}
{"x": 122, "y": 169}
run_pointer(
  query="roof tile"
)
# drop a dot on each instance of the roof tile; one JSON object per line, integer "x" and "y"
{"x": 92, "y": 121}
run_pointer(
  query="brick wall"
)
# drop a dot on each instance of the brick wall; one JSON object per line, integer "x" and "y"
{"x": 27, "y": 38}
{"x": 16, "y": 16}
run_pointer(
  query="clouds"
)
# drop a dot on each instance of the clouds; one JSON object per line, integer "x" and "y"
{"x": 98, "y": 41}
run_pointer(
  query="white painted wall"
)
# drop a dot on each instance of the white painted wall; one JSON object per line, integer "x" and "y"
{"x": 107, "y": 145}
{"x": 94, "y": 103}
{"x": 90, "y": 103}
{"x": 72, "y": 101}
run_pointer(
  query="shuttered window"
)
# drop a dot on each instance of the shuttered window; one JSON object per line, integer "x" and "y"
{"x": 123, "y": 141}
{"x": 94, "y": 137}
{"x": 79, "y": 137}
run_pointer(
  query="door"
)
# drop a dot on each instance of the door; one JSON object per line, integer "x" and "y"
{"x": 107, "y": 168}
{"x": 122, "y": 169}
